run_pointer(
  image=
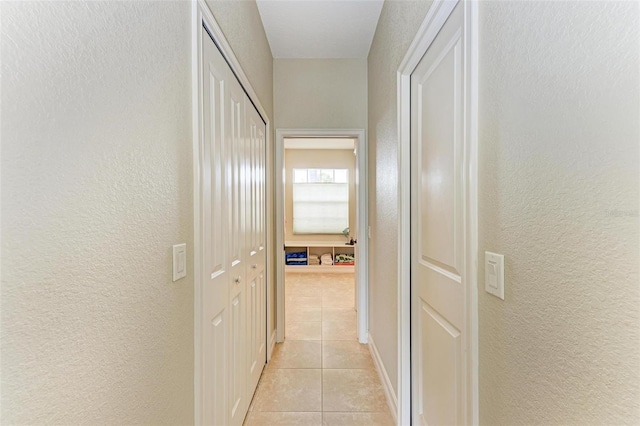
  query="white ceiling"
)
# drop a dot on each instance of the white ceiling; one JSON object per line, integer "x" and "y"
{"x": 319, "y": 143}
{"x": 320, "y": 28}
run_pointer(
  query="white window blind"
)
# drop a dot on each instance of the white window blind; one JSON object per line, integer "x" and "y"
{"x": 320, "y": 201}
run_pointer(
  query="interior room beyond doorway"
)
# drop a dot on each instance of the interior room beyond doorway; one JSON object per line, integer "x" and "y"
{"x": 321, "y": 212}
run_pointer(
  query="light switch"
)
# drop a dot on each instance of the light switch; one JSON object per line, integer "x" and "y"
{"x": 492, "y": 277}
{"x": 494, "y": 274}
{"x": 179, "y": 261}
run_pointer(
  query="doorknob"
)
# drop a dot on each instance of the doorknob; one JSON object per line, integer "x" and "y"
{"x": 254, "y": 266}
{"x": 237, "y": 280}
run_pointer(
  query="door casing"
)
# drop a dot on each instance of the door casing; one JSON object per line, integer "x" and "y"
{"x": 362, "y": 218}
{"x": 433, "y": 22}
{"x": 200, "y": 14}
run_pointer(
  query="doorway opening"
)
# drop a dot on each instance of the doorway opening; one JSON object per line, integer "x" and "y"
{"x": 321, "y": 224}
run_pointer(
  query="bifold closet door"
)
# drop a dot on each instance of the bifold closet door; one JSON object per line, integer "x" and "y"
{"x": 232, "y": 210}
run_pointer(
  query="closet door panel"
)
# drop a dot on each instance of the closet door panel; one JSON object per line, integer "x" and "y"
{"x": 235, "y": 125}
{"x": 255, "y": 250}
{"x": 215, "y": 263}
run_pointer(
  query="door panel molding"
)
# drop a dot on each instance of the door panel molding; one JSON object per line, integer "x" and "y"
{"x": 431, "y": 26}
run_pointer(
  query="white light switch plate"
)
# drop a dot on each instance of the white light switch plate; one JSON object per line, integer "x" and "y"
{"x": 179, "y": 261}
{"x": 494, "y": 274}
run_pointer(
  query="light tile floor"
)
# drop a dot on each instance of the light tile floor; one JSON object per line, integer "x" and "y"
{"x": 320, "y": 375}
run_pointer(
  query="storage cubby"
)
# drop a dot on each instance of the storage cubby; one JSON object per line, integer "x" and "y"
{"x": 319, "y": 248}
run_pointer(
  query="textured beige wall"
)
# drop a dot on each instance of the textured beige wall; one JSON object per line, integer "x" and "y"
{"x": 399, "y": 22}
{"x": 559, "y": 169}
{"x": 318, "y": 159}
{"x": 559, "y": 151}
{"x": 320, "y": 93}
{"x": 96, "y": 187}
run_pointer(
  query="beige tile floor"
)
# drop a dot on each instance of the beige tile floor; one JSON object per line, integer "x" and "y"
{"x": 320, "y": 375}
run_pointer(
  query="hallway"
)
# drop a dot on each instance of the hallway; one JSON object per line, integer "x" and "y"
{"x": 320, "y": 375}
{"x": 113, "y": 231}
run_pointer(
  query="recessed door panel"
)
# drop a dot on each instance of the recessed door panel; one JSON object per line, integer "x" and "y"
{"x": 439, "y": 123}
{"x": 235, "y": 201}
{"x": 261, "y": 337}
{"x": 254, "y": 324}
{"x": 237, "y": 371}
{"x": 214, "y": 188}
{"x": 215, "y": 389}
{"x": 440, "y": 368}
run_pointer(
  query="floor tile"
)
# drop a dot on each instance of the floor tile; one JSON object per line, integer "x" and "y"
{"x": 338, "y": 300}
{"x": 289, "y": 390}
{"x": 340, "y": 283}
{"x": 339, "y": 330}
{"x": 352, "y": 390}
{"x": 297, "y": 354}
{"x": 284, "y": 419}
{"x": 301, "y": 313}
{"x": 330, "y": 290}
{"x": 338, "y": 314}
{"x": 345, "y": 354}
{"x": 292, "y": 278}
{"x": 303, "y": 330}
{"x": 303, "y": 301}
{"x": 304, "y": 290}
{"x": 357, "y": 419}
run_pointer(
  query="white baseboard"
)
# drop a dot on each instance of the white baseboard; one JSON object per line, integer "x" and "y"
{"x": 272, "y": 345}
{"x": 392, "y": 399}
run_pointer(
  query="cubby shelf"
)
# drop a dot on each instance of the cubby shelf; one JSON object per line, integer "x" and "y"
{"x": 319, "y": 248}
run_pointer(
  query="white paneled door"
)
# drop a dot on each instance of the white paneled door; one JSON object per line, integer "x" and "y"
{"x": 215, "y": 274}
{"x": 438, "y": 329}
{"x": 256, "y": 244}
{"x": 233, "y": 108}
{"x": 232, "y": 211}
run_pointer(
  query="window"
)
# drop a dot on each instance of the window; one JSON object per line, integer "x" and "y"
{"x": 320, "y": 201}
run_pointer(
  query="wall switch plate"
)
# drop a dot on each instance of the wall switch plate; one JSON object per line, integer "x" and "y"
{"x": 179, "y": 261}
{"x": 494, "y": 274}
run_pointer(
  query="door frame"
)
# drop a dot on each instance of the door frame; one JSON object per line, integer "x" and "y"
{"x": 363, "y": 224}
{"x": 433, "y": 22}
{"x": 200, "y": 13}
